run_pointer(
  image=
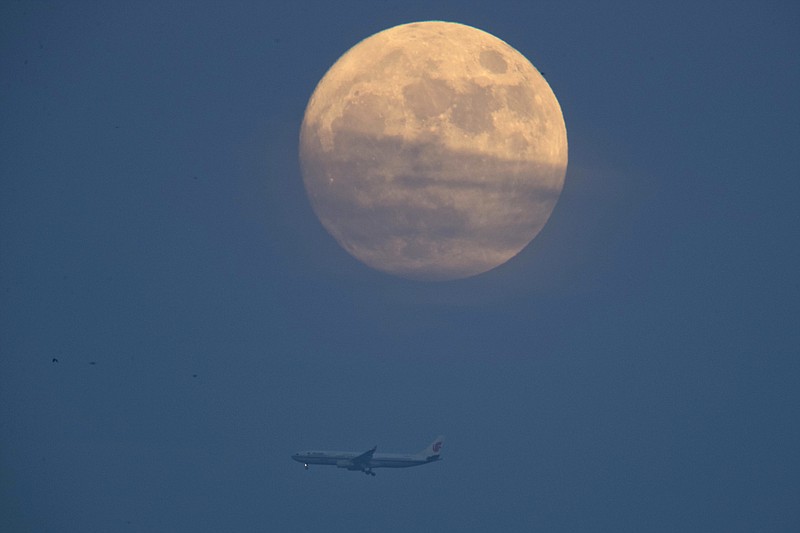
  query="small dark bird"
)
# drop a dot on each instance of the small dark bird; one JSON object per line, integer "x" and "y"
{"x": 92, "y": 363}
{"x": 194, "y": 375}
{"x": 55, "y": 360}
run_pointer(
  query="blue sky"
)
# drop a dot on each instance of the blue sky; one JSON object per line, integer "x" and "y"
{"x": 635, "y": 368}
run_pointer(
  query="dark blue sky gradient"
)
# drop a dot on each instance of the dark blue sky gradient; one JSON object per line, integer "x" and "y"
{"x": 635, "y": 368}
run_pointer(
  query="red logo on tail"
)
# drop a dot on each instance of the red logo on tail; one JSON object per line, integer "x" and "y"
{"x": 437, "y": 446}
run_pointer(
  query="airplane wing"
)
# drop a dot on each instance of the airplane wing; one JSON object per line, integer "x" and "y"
{"x": 365, "y": 457}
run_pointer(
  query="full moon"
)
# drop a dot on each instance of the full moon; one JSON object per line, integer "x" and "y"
{"x": 433, "y": 151}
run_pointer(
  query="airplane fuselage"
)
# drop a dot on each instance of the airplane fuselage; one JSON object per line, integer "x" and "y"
{"x": 378, "y": 460}
{"x": 366, "y": 461}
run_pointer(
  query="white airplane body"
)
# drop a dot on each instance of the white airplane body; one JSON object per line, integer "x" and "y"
{"x": 366, "y": 461}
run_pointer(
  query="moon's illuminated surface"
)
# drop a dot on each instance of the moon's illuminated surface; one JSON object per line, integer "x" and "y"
{"x": 433, "y": 151}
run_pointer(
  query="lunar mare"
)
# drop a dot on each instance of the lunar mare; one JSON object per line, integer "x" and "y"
{"x": 433, "y": 151}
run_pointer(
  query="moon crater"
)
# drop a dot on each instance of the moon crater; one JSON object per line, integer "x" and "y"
{"x": 433, "y": 151}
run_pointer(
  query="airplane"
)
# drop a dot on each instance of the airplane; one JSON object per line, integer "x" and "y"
{"x": 366, "y": 461}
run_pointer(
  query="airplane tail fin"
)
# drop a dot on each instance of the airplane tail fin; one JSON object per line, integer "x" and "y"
{"x": 433, "y": 451}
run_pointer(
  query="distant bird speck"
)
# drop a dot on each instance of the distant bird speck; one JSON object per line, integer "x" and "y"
{"x": 92, "y": 363}
{"x": 55, "y": 360}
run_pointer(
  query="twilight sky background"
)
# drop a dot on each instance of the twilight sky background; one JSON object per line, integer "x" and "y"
{"x": 635, "y": 368}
